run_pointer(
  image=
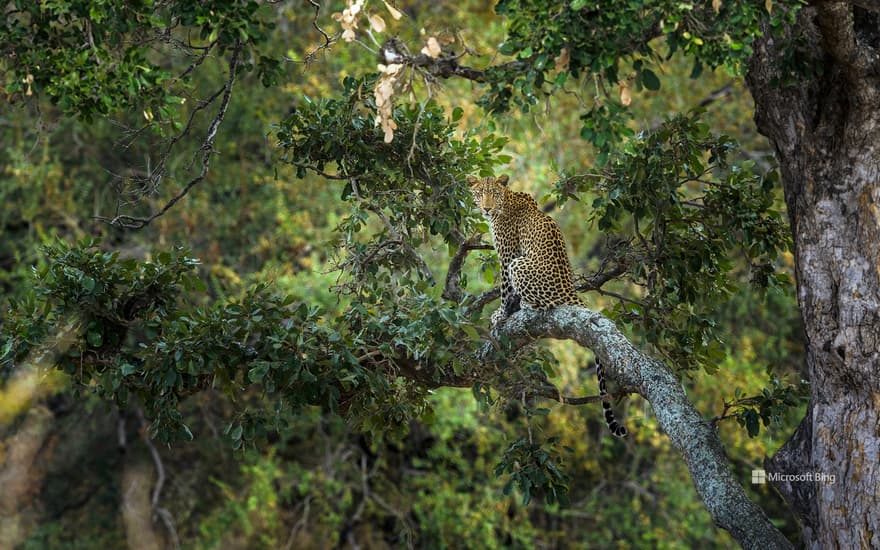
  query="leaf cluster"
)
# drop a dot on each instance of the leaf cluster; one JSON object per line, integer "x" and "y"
{"x": 422, "y": 168}
{"x": 686, "y": 212}
{"x": 769, "y": 407}
{"x": 97, "y": 58}
{"x": 614, "y": 42}
{"x": 534, "y": 468}
{"x": 402, "y": 196}
{"x": 140, "y": 339}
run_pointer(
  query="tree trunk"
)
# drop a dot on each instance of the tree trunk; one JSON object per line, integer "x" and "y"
{"x": 826, "y": 130}
{"x": 23, "y": 464}
{"x": 137, "y": 509}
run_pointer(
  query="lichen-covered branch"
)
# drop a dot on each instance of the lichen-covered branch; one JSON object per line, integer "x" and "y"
{"x": 686, "y": 428}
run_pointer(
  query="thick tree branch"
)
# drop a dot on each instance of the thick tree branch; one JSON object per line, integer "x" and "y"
{"x": 447, "y": 66}
{"x": 825, "y": 128}
{"x": 698, "y": 442}
{"x": 583, "y": 284}
{"x": 429, "y": 376}
{"x": 839, "y": 38}
{"x": 793, "y": 458}
{"x": 635, "y": 372}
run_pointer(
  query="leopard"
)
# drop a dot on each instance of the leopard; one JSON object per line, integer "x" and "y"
{"x": 535, "y": 269}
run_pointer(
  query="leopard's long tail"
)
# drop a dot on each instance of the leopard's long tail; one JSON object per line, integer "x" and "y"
{"x": 617, "y": 429}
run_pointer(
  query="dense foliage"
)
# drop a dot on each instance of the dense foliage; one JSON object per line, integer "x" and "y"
{"x": 94, "y": 58}
{"x": 612, "y": 43}
{"x": 300, "y": 314}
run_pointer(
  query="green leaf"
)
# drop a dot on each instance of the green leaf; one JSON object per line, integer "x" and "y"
{"x": 95, "y": 338}
{"x": 650, "y": 80}
{"x": 89, "y": 283}
{"x": 236, "y": 433}
{"x": 470, "y": 331}
{"x": 257, "y": 373}
{"x": 752, "y": 422}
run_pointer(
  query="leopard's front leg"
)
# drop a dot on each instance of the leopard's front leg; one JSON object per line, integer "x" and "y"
{"x": 510, "y": 299}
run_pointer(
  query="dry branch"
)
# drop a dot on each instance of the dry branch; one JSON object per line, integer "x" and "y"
{"x": 206, "y": 149}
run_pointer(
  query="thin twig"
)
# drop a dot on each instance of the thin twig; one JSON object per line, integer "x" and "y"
{"x": 715, "y": 95}
{"x": 620, "y": 297}
{"x": 207, "y": 150}
{"x": 300, "y": 523}
{"x": 120, "y": 431}
{"x": 92, "y": 42}
{"x": 399, "y": 515}
{"x": 309, "y": 57}
{"x": 528, "y": 417}
{"x": 746, "y": 401}
{"x": 198, "y": 61}
{"x": 482, "y": 300}
{"x": 551, "y": 392}
{"x": 418, "y": 124}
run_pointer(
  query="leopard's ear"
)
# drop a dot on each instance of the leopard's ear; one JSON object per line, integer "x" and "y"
{"x": 472, "y": 180}
{"x": 503, "y": 179}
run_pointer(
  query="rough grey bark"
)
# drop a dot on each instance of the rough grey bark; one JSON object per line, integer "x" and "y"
{"x": 826, "y": 131}
{"x": 691, "y": 434}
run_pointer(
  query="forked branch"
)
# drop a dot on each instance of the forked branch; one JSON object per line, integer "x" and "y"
{"x": 452, "y": 290}
{"x": 205, "y": 151}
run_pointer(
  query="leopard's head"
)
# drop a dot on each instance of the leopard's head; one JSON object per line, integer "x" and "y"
{"x": 488, "y": 193}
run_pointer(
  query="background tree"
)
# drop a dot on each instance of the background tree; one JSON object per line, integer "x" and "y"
{"x": 679, "y": 208}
